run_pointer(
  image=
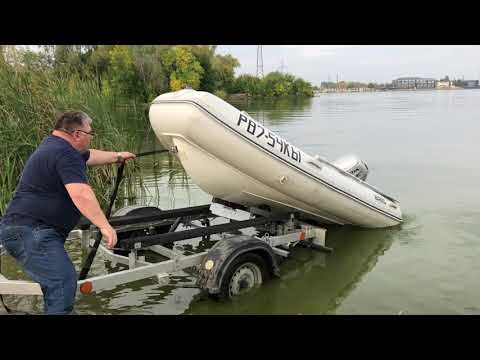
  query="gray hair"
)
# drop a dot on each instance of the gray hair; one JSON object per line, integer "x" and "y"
{"x": 71, "y": 120}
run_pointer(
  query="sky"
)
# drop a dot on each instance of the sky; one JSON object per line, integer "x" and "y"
{"x": 363, "y": 63}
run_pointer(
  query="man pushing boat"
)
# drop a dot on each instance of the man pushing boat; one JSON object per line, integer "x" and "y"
{"x": 52, "y": 193}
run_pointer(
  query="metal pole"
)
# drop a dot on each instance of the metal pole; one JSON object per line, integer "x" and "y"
{"x": 98, "y": 238}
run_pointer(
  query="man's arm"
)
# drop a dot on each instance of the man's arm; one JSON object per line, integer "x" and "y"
{"x": 99, "y": 157}
{"x": 86, "y": 202}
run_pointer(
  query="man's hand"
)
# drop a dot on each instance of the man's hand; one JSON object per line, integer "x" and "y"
{"x": 99, "y": 157}
{"x": 110, "y": 236}
{"x": 126, "y": 155}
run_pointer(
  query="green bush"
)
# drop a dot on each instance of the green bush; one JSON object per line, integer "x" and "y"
{"x": 220, "y": 93}
{"x": 275, "y": 84}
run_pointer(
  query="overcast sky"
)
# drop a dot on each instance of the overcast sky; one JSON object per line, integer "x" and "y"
{"x": 364, "y": 63}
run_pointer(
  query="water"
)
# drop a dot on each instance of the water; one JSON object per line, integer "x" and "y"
{"x": 421, "y": 147}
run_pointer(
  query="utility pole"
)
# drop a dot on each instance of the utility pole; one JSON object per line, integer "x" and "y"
{"x": 259, "y": 61}
{"x": 281, "y": 66}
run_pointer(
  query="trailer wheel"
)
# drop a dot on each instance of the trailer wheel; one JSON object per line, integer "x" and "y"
{"x": 243, "y": 274}
{"x": 137, "y": 210}
{"x": 134, "y": 211}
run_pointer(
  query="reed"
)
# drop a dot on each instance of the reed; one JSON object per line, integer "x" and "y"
{"x": 29, "y": 101}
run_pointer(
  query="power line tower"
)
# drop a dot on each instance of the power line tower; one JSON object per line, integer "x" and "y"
{"x": 282, "y": 67}
{"x": 259, "y": 61}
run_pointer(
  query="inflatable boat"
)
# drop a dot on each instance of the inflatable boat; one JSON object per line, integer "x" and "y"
{"x": 234, "y": 158}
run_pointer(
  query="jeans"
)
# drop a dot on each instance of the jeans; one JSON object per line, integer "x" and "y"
{"x": 41, "y": 253}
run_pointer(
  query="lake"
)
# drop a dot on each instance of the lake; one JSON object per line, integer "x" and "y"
{"x": 421, "y": 147}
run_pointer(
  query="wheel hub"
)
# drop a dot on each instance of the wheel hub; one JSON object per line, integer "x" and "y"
{"x": 244, "y": 279}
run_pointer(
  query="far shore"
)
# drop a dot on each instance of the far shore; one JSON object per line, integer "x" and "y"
{"x": 329, "y": 91}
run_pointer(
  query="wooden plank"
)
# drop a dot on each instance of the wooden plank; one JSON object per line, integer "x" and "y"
{"x": 19, "y": 287}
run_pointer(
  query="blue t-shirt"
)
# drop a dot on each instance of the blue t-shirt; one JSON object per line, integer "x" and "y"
{"x": 41, "y": 196}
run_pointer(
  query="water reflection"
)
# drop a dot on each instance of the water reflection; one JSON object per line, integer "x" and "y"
{"x": 277, "y": 111}
{"x": 312, "y": 282}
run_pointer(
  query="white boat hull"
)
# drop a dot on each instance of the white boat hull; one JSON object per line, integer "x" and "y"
{"x": 234, "y": 158}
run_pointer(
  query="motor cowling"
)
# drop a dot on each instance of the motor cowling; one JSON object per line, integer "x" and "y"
{"x": 353, "y": 165}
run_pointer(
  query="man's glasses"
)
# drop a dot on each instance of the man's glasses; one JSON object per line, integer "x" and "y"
{"x": 91, "y": 133}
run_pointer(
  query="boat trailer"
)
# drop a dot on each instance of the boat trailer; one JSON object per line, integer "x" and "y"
{"x": 237, "y": 261}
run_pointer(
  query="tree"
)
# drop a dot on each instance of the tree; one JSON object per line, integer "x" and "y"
{"x": 247, "y": 83}
{"x": 31, "y": 59}
{"x": 205, "y": 54}
{"x": 70, "y": 58}
{"x": 275, "y": 84}
{"x": 224, "y": 71}
{"x": 99, "y": 62}
{"x": 302, "y": 88}
{"x": 187, "y": 70}
{"x": 278, "y": 84}
{"x": 13, "y": 56}
{"x": 151, "y": 70}
{"x": 64, "y": 56}
{"x": 47, "y": 54}
{"x": 123, "y": 77}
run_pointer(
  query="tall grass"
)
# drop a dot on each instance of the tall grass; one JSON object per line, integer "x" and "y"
{"x": 29, "y": 101}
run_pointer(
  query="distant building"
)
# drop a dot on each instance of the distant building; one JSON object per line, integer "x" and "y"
{"x": 444, "y": 84}
{"x": 469, "y": 84}
{"x": 466, "y": 84}
{"x": 413, "y": 83}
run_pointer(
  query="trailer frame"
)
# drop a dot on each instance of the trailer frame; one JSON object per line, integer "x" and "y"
{"x": 276, "y": 232}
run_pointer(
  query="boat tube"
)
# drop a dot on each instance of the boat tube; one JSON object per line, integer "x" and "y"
{"x": 234, "y": 158}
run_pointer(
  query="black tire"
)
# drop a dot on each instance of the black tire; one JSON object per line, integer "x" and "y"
{"x": 138, "y": 211}
{"x": 144, "y": 210}
{"x": 245, "y": 262}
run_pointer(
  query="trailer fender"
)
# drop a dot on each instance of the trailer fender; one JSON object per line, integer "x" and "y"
{"x": 216, "y": 262}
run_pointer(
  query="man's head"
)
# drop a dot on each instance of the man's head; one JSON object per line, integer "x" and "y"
{"x": 76, "y": 125}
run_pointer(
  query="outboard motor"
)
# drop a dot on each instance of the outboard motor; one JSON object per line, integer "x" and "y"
{"x": 353, "y": 165}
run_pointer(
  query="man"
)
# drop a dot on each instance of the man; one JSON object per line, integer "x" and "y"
{"x": 52, "y": 192}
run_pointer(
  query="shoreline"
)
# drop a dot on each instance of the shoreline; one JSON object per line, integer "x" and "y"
{"x": 317, "y": 93}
